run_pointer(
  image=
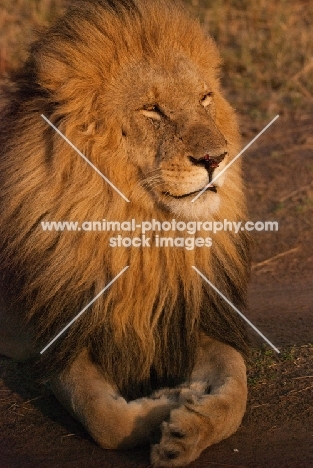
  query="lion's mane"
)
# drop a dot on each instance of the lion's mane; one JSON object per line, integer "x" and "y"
{"x": 143, "y": 331}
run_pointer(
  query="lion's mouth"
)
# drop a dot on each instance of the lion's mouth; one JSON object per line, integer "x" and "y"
{"x": 185, "y": 195}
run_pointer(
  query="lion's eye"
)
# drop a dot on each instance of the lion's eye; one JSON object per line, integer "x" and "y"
{"x": 207, "y": 99}
{"x": 154, "y": 108}
{"x": 152, "y": 112}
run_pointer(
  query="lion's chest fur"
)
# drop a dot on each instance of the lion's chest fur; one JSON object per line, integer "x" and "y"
{"x": 159, "y": 344}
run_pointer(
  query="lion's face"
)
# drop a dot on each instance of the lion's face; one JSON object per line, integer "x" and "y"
{"x": 170, "y": 132}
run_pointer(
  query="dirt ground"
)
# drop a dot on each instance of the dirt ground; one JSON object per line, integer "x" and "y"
{"x": 277, "y": 431}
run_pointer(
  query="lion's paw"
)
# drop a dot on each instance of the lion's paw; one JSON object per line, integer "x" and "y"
{"x": 183, "y": 438}
{"x": 172, "y": 394}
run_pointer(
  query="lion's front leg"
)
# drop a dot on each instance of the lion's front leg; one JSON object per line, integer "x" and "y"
{"x": 112, "y": 421}
{"x": 211, "y": 406}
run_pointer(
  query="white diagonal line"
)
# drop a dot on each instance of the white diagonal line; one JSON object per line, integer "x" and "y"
{"x": 236, "y": 310}
{"x": 82, "y": 311}
{"x": 233, "y": 160}
{"x": 84, "y": 157}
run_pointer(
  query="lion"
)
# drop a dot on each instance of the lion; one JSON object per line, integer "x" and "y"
{"x": 159, "y": 357}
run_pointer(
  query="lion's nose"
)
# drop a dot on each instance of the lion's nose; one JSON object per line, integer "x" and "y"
{"x": 207, "y": 161}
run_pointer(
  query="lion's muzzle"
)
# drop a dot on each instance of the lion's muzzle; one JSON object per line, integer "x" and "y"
{"x": 210, "y": 163}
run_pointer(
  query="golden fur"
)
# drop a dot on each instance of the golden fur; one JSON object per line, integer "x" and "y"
{"x": 91, "y": 75}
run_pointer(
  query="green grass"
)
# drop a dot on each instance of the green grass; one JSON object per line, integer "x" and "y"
{"x": 266, "y": 365}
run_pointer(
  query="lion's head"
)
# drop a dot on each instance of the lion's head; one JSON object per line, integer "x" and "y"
{"x": 173, "y": 133}
{"x": 152, "y": 89}
{"x": 134, "y": 85}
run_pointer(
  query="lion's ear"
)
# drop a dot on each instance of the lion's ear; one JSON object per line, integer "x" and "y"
{"x": 67, "y": 73}
{"x": 73, "y": 85}
{"x": 90, "y": 129}
{"x": 52, "y": 72}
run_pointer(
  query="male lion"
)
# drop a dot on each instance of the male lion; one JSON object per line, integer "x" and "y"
{"x": 158, "y": 357}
